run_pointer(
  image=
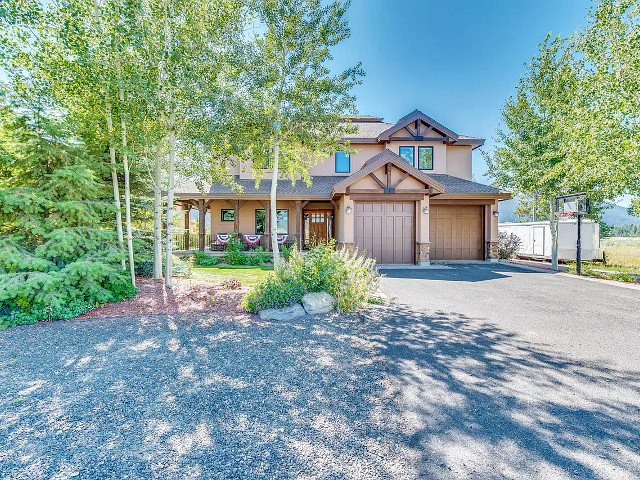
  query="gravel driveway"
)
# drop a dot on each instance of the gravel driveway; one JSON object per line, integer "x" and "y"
{"x": 399, "y": 392}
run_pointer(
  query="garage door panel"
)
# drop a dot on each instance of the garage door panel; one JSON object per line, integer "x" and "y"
{"x": 456, "y": 232}
{"x": 387, "y": 233}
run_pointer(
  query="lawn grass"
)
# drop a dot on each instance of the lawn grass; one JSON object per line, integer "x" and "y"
{"x": 246, "y": 274}
{"x": 622, "y": 251}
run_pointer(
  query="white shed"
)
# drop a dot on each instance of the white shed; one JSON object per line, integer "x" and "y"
{"x": 537, "y": 243}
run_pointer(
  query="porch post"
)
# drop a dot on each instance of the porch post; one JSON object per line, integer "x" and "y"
{"x": 187, "y": 224}
{"x": 201, "y": 225}
{"x": 266, "y": 205}
{"x": 298, "y": 206}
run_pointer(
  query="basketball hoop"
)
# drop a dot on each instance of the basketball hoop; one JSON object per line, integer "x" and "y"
{"x": 564, "y": 214}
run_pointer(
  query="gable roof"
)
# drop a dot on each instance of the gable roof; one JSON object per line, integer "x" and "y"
{"x": 412, "y": 117}
{"x": 380, "y": 160}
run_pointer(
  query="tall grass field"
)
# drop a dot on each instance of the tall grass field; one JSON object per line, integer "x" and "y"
{"x": 623, "y": 251}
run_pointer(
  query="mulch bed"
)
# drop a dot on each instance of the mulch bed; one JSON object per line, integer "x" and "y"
{"x": 186, "y": 296}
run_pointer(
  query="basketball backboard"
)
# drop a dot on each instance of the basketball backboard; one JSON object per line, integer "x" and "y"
{"x": 574, "y": 204}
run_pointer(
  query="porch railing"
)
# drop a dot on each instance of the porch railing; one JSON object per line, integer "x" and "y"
{"x": 191, "y": 241}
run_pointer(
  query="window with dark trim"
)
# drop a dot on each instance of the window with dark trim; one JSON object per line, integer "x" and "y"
{"x": 425, "y": 158}
{"x": 282, "y": 219}
{"x": 408, "y": 154}
{"x": 260, "y": 221}
{"x": 343, "y": 162}
{"x": 227, "y": 215}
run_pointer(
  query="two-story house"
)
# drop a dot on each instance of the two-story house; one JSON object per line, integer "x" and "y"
{"x": 406, "y": 196}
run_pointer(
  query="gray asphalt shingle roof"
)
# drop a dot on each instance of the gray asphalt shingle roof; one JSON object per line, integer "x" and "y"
{"x": 460, "y": 185}
{"x": 321, "y": 186}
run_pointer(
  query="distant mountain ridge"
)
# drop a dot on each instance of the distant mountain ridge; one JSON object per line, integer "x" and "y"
{"x": 615, "y": 216}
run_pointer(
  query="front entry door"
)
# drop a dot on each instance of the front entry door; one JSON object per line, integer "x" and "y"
{"x": 317, "y": 227}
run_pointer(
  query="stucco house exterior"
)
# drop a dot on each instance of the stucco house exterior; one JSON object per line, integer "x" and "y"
{"x": 406, "y": 196}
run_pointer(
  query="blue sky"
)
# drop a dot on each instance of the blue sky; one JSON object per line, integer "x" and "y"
{"x": 456, "y": 61}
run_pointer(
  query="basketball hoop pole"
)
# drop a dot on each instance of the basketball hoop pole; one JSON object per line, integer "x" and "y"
{"x": 578, "y": 256}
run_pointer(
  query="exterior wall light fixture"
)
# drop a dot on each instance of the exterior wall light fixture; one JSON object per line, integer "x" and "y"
{"x": 425, "y": 210}
{"x": 496, "y": 213}
{"x": 349, "y": 209}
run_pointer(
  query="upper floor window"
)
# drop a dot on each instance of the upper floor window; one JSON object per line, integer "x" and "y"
{"x": 425, "y": 158}
{"x": 343, "y": 162}
{"x": 408, "y": 154}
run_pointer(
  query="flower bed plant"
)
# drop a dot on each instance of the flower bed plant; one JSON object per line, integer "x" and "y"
{"x": 348, "y": 276}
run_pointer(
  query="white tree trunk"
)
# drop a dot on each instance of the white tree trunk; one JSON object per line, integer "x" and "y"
{"x": 157, "y": 214}
{"x": 273, "y": 220}
{"x": 114, "y": 180}
{"x": 127, "y": 204}
{"x": 169, "y": 242}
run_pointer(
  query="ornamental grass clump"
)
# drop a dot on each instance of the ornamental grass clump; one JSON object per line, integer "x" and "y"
{"x": 349, "y": 276}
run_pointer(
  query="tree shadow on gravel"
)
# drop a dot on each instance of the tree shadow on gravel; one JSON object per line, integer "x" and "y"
{"x": 390, "y": 393}
{"x": 477, "y": 402}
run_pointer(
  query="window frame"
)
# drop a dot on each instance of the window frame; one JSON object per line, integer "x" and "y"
{"x": 233, "y": 214}
{"x": 432, "y": 158}
{"x": 335, "y": 162}
{"x": 255, "y": 226}
{"x": 265, "y": 217}
{"x": 413, "y": 154}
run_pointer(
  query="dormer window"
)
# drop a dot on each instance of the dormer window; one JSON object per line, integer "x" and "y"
{"x": 343, "y": 162}
{"x": 425, "y": 158}
{"x": 408, "y": 154}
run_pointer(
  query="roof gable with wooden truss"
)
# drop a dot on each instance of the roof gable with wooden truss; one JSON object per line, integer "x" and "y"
{"x": 388, "y": 173}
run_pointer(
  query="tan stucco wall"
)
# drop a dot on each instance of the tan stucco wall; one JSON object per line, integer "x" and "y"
{"x": 345, "y": 224}
{"x": 422, "y": 221}
{"x": 458, "y": 160}
{"x": 247, "y": 216}
{"x": 491, "y": 234}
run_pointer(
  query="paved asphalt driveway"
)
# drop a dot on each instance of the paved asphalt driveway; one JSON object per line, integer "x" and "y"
{"x": 472, "y": 375}
{"x": 512, "y": 373}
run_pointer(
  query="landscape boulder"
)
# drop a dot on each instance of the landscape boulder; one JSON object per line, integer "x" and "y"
{"x": 280, "y": 314}
{"x": 320, "y": 302}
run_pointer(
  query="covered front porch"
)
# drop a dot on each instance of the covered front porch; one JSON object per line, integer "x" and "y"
{"x": 208, "y": 223}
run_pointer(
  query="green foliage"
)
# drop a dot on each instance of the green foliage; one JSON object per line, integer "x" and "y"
{"x": 275, "y": 291}
{"x": 350, "y": 277}
{"x": 204, "y": 260}
{"x": 39, "y": 314}
{"x": 58, "y": 245}
{"x": 233, "y": 253}
{"x": 259, "y": 256}
{"x": 508, "y": 245}
{"x": 181, "y": 267}
{"x": 573, "y": 124}
{"x": 621, "y": 231}
{"x": 286, "y": 251}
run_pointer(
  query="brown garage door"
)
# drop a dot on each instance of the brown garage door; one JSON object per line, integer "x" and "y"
{"x": 456, "y": 232}
{"x": 385, "y": 230}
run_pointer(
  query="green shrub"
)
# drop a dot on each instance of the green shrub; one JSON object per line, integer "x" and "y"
{"x": 144, "y": 267}
{"x": 350, "y": 277}
{"x": 181, "y": 267}
{"x": 273, "y": 292}
{"x": 39, "y": 314}
{"x": 259, "y": 257}
{"x": 233, "y": 254}
{"x": 204, "y": 260}
{"x": 286, "y": 251}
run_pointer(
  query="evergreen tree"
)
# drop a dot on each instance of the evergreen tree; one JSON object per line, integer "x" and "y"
{"x": 58, "y": 249}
